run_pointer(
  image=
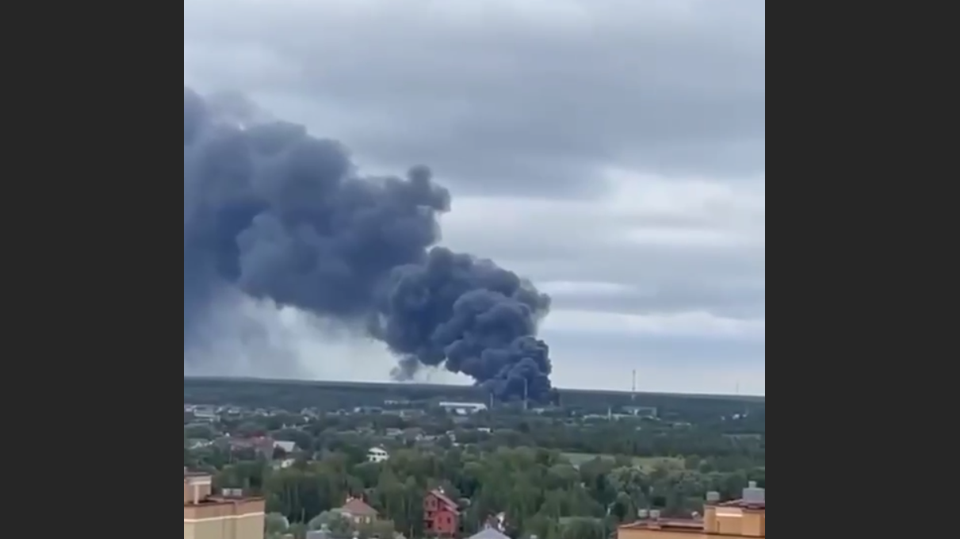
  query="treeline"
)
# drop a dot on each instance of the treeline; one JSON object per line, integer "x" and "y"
{"x": 335, "y": 396}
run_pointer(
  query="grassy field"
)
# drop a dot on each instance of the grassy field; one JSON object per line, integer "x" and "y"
{"x": 645, "y": 463}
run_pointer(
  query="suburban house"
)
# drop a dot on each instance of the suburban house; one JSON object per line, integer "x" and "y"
{"x": 358, "y": 512}
{"x": 441, "y": 515}
{"x": 262, "y": 446}
{"x": 378, "y": 455}
{"x": 288, "y": 448}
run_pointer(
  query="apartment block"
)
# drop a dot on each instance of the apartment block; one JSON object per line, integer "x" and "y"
{"x": 227, "y": 515}
{"x": 746, "y": 517}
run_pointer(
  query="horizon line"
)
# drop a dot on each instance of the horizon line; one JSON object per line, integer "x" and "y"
{"x": 617, "y": 392}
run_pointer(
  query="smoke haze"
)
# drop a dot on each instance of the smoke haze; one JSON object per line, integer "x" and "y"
{"x": 277, "y": 215}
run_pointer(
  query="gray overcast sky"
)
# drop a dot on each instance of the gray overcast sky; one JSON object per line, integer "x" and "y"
{"x": 611, "y": 150}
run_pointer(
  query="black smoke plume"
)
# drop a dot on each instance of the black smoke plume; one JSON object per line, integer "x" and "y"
{"x": 280, "y": 215}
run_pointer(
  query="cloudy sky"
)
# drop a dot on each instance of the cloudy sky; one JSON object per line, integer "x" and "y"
{"x": 611, "y": 150}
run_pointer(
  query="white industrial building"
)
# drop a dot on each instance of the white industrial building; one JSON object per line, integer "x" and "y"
{"x": 463, "y": 408}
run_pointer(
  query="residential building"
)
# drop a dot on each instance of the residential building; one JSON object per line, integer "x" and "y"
{"x": 229, "y": 515}
{"x": 288, "y": 448}
{"x": 207, "y": 415}
{"x": 441, "y": 515}
{"x": 746, "y": 517}
{"x": 262, "y": 446}
{"x": 378, "y": 455}
{"x": 202, "y": 414}
{"x": 359, "y": 512}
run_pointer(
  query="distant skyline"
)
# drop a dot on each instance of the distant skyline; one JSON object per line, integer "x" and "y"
{"x": 611, "y": 151}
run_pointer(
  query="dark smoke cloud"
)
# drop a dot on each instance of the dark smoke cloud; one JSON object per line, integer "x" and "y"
{"x": 284, "y": 216}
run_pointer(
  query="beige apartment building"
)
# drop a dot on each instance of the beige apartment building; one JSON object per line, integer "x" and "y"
{"x": 228, "y": 515}
{"x": 742, "y": 518}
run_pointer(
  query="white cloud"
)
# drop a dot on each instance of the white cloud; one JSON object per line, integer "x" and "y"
{"x": 565, "y": 289}
{"x": 693, "y": 324}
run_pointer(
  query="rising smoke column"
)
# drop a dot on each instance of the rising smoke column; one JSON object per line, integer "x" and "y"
{"x": 284, "y": 216}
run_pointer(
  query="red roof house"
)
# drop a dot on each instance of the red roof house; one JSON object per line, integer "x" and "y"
{"x": 441, "y": 515}
{"x": 359, "y": 512}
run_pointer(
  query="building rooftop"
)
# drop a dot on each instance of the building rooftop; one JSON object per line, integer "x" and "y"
{"x": 358, "y": 507}
{"x": 489, "y": 533}
{"x": 198, "y": 492}
{"x": 745, "y": 517}
{"x": 744, "y": 504}
{"x": 671, "y": 526}
{"x": 444, "y": 499}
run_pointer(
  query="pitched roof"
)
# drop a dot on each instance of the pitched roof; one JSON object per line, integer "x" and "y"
{"x": 445, "y": 500}
{"x": 359, "y": 508}
{"x": 489, "y": 533}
